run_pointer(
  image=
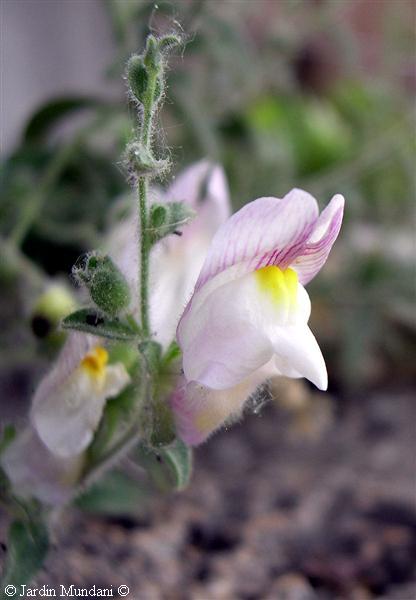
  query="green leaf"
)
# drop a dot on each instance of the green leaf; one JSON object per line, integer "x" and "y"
{"x": 172, "y": 354}
{"x": 52, "y": 112}
{"x": 49, "y": 114}
{"x": 8, "y": 435}
{"x": 115, "y": 420}
{"x": 169, "y": 467}
{"x": 116, "y": 494}
{"x": 27, "y": 546}
{"x": 92, "y": 321}
{"x": 168, "y": 218}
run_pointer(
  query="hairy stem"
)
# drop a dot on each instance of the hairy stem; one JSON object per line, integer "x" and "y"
{"x": 144, "y": 258}
{"x": 144, "y": 250}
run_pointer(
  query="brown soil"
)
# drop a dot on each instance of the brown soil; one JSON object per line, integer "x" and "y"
{"x": 269, "y": 515}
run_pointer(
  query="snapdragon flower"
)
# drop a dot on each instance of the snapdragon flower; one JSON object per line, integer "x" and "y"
{"x": 69, "y": 401}
{"x": 175, "y": 261}
{"x": 248, "y": 317}
{"x": 46, "y": 458}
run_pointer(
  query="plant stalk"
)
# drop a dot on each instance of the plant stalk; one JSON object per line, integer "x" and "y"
{"x": 144, "y": 250}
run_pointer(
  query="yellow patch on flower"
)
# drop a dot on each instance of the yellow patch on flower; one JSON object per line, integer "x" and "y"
{"x": 280, "y": 286}
{"x": 94, "y": 363}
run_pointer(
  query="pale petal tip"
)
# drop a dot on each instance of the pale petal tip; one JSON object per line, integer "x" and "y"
{"x": 320, "y": 377}
{"x": 322, "y": 382}
{"x": 338, "y": 200}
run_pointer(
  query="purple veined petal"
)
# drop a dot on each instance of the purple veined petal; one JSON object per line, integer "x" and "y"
{"x": 315, "y": 253}
{"x": 267, "y": 231}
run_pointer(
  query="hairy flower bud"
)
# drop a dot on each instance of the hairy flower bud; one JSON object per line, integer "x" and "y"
{"x": 137, "y": 76}
{"x": 152, "y": 54}
{"x": 106, "y": 284}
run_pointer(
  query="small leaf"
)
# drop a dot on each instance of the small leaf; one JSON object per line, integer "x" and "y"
{"x": 92, "y": 321}
{"x": 169, "y": 41}
{"x": 169, "y": 467}
{"x": 172, "y": 353}
{"x": 115, "y": 494}
{"x": 168, "y": 218}
{"x": 27, "y": 546}
{"x": 114, "y": 422}
{"x": 158, "y": 214}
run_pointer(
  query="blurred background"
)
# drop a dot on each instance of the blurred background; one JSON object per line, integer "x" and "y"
{"x": 313, "y": 495}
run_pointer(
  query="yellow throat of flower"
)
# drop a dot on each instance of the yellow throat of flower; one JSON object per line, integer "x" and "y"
{"x": 94, "y": 363}
{"x": 280, "y": 286}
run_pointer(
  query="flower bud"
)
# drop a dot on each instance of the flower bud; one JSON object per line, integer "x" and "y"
{"x": 106, "y": 284}
{"x": 137, "y": 76}
{"x": 152, "y": 54}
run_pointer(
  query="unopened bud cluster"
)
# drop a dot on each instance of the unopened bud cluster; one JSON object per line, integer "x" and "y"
{"x": 145, "y": 76}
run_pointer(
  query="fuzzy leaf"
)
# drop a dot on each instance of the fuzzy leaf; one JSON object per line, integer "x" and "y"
{"x": 92, "y": 321}
{"x": 168, "y": 218}
{"x": 169, "y": 467}
{"x": 116, "y": 494}
{"x": 115, "y": 420}
{"x": 27, "y": 545}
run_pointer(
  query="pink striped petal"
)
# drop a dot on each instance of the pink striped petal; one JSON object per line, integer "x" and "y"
{"x": 264, "y": 232}
{"x": 321, "y": 240}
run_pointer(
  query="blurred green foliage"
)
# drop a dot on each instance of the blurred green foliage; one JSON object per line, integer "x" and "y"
{"x": 280, "y": 102}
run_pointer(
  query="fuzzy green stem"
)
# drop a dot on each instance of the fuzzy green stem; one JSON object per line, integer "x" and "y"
{"x": 144, "y": 258}
{"x": 146, "y": 142}
{"x": 148, "y": 111}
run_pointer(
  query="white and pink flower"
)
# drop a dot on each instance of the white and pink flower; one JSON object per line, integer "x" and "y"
{"x": 46, "y": 458}
{"x": 248, "y": 317}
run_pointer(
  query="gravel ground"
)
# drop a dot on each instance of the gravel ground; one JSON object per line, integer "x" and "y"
{"x": 278, "y": 509}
